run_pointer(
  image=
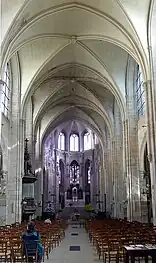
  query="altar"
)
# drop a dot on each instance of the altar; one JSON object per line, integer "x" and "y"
{"x": 74, "y": 201}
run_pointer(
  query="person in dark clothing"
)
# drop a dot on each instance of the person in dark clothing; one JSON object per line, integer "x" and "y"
{"x": 31, "y": 235}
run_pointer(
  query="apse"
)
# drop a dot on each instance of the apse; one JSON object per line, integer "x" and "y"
{"x": 72, "y": 167}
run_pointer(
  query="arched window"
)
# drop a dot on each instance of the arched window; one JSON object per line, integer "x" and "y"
{"x": 61, "y": 141}
{"x": 6, "y": 91}
{"x": 87, "y": 141}
{"x": 74, "y": 142}
{"x": 140, "y": 93}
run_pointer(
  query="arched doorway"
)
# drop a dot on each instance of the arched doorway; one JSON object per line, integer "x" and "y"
{"x": 147, "y": 178}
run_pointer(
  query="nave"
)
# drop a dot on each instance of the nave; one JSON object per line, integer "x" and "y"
{"x": 77, "y": 128}
{"x": 62, "y": 253}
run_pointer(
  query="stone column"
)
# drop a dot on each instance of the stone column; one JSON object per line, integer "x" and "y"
{"x": 29, "y": 130}
{"x": 108, "y": 171}
{"x": 82, "y": 171}
{"x": 133, "y": 176}
{"x": 151, "y": 132}
{"x": 114, "y": 206}
{"x": 118, "y": 163}
{"x": 81, "y": 140}
{"x": 126, "y": 202}
{"x": 39, "y": 173}
{"x": 102, "y": 183}
{"x": 4, "y": 167}
{"x": 94, "y": 178}
{"x": 65, "y": 172}
{"x": 102, "y": 177}
{"x": 52, "y": 180}
{"x": 28, "y": 190}
{"x": 57, "y": 173}
{"x": 67, "y": 142}
{"x": 45, "y": 186}
{"x": 15, "y": 147}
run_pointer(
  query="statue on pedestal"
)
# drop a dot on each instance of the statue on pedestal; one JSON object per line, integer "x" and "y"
{"x": 27, "y": 162}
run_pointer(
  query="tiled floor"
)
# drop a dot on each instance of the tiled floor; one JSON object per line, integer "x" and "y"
{"x": 61, "y": 254}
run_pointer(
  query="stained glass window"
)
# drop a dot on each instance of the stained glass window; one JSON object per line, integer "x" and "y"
{"x": 140, "y": 93}
{"x": 6, "y": 91}
{"x": 89, "y": 170}
{"x": 74, "y": 173}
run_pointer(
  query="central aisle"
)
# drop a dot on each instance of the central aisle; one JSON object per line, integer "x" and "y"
{"x": 62, "y": 254}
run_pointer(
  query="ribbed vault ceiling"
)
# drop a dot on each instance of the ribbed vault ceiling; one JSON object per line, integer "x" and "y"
{"x": 73, "y": 55}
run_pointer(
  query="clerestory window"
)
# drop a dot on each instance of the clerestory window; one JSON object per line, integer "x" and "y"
{"x": 140, "y": 93}
{"x": 87, "y": 141}
{"x": 74, "y": 142}
{"x": 61, "y": 141}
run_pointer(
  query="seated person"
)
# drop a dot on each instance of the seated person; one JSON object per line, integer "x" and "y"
{"x": 47, "y": 221}
{"x": 32, "y": 236}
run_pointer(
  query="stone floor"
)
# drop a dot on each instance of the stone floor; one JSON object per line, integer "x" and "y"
{"x": 62, "y": 254}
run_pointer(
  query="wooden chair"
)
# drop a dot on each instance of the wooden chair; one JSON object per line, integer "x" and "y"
{"x": 102, "y": 247}
{"x": 31, "y": 251}
{"x": 112, "y": 254}
{"x": 45, "y": 243}
{"x": 5, "y": 251}
{"x": 10, "y": 247}
{"x": 17, "y": 250}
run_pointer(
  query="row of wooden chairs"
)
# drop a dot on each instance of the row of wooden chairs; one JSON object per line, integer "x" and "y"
{"x": 110, "y": 236}
{"x": 10, "y": 240}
